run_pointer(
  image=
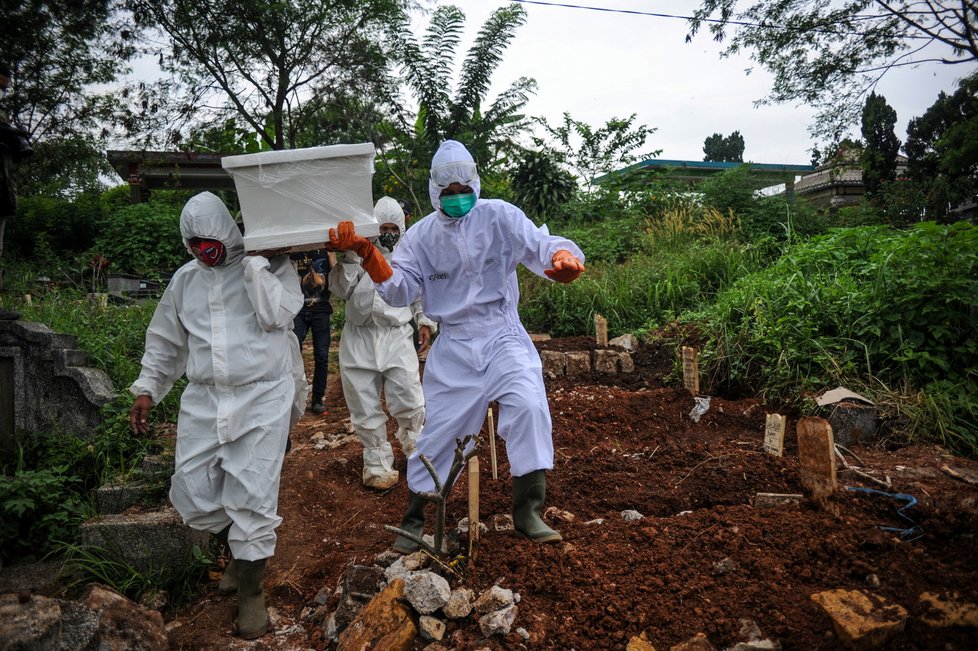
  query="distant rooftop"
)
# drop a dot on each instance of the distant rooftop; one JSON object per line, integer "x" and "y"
{"x": 695, "y": 171}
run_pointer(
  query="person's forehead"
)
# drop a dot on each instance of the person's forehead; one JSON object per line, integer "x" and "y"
{"x": 389, "y": 226}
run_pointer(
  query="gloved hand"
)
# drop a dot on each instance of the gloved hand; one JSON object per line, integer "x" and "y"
{"x": 344, "y": 238}
{"x": 566, "y": 267}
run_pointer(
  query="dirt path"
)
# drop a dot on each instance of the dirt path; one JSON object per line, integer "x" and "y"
{"x": 701, "y": 559}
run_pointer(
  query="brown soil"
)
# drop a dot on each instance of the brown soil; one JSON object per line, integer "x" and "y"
{"x": 628, "y": 443}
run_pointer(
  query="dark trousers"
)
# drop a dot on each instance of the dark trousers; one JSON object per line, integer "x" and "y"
{"x": 317, "y": 321}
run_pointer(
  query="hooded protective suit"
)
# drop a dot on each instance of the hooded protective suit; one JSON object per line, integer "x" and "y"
{"x": 464, "y": 271}
{"x": 377, "y": 352}
{"x": 229, "y": 329}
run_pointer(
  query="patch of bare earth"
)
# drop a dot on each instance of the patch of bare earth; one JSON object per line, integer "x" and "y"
{"x": 702, "y": 557}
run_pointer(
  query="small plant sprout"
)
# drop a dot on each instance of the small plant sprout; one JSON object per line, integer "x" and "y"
{"x": 440, "y": 495}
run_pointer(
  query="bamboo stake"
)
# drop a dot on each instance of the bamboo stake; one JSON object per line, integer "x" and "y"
{"x": 492, "y": 443}
{"x": 473, "y": 509}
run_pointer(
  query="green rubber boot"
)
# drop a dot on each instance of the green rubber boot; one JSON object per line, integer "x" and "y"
{"x": 229, "y": 580}
{"x": 413, "y": 522}
{"x": 252, "y": 616}
{"x": 529, "y": 493}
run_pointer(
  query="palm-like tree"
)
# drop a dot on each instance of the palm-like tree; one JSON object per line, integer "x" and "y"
{"x": 489, "y": 133}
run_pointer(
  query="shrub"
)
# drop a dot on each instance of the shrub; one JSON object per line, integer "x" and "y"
{"x": 142, "y": 239}
{"x": 37, "y": 508}
{"x": 47, "y": 231}
{"x": 858, "y": 305}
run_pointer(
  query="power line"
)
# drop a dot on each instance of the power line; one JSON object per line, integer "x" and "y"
{"x": 719, "y": 21}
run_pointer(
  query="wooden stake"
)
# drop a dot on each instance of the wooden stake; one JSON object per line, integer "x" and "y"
{"x": 816, "y": 455}
{"x": 601, "y": 330}
{"x": 473, "y": 508}
{"x": 28, "y": 300}
{"x": 691, "y": 370}
{"x": 492, "y": 443}
{"x": 774, "y": 434}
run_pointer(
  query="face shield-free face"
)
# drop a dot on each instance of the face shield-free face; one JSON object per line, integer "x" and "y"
{"x": 463, "y": 172}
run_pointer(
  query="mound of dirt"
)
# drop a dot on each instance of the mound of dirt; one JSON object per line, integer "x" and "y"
{"x": 702, "y": 557}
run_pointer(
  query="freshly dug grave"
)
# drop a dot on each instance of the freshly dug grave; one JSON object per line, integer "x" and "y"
{"x": 701, "y": 559}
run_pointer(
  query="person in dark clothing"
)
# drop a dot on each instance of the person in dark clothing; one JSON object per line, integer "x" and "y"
{"x": 313, "y": 268}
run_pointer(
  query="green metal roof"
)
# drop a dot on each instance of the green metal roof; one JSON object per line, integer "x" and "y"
{"x": 695, "y": 170}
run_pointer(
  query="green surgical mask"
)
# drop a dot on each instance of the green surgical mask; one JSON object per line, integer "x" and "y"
{"x": 457, "y": 205}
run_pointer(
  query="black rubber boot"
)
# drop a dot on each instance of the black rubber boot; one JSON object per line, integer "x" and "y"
{"x": 529, "y": 493}
{"x": 413, "y": 522}
{"x": 252, "y": 616}
{"x": 229, "y": 580}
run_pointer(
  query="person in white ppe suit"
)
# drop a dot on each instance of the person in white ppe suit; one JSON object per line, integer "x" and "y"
{"x": 225, "y": 320}
{"x": 377, "y": 353}
{"x": 461, "y": 261}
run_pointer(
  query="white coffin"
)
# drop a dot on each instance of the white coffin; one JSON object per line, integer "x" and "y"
{"x": 291, "y": 198}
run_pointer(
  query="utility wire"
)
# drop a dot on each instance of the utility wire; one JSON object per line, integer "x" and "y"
{"x": 739, "y": 23}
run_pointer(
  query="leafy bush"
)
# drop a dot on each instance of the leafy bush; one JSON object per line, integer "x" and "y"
{"x": 670, "y": 273}
{"x": 37, "y": 508}
{"x": 46, "y": 231}
{"x": 859, "y": 304}
{"x": 142, "y": 239}
{"x": 733, "y": 191}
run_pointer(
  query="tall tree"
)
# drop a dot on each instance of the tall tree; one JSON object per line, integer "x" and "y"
{"x": 591, "y": 152}
{"x": 58, "y": 51}
{"x": 881, "y": 144}
{"x": 831, "y": 54}
{"x": 721, "y": 149}
{"x": 273, "y": 65}
{"x": 489, "y": 129}
{"x": 942, "y": 148}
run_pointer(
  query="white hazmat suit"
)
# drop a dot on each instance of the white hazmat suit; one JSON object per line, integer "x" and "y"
{"x": 464, "y": 271}
{"x": 377, "y": 353}
{"x": 229, "y": 329}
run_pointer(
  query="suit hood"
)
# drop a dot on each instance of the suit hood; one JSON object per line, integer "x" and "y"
{"x": 206, "y": 216}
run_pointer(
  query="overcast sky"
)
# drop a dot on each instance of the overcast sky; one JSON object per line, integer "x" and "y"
{"x": 597, "y": 65}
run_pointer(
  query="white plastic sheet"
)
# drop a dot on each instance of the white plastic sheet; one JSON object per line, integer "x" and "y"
{"x": 291, "y": 198}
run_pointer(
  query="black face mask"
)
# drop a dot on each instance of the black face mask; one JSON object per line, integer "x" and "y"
{"x": 389, "y": 240}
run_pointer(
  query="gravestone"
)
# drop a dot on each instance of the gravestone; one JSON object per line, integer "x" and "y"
{"x": 46, "y": 384}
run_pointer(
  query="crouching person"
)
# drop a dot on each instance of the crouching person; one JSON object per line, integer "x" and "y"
{"x": 225, "y": 320}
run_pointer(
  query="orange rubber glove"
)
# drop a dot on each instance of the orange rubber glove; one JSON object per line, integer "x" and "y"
{"x": 566, "y": 267}
{"x": 344, "y": 237}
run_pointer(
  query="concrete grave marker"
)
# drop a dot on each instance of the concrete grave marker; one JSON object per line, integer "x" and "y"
{"x": 774, "y": 434}
{"x": 601, "y": 330}
{"x": 816, "y": 454}
{"x": 691, "y": 370}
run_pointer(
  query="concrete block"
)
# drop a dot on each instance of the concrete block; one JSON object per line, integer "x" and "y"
{"x": 578, "y": 363}
{"x": 606, "y": 361}
{"x": 149, "y": 541}
{"x": 554, "y": 364}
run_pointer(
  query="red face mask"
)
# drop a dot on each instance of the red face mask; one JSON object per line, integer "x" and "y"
{"x": 210, "y": 252}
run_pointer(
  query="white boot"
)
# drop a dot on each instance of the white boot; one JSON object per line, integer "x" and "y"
{"x": 378, "y": 458}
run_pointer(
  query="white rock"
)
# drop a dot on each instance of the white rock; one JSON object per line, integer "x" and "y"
{"x": 431, "y": 628}
{"x": 426, "y": 591}
{"x": 498, "y": 622}
{"x": 459, "y": 604}
{"x": 495, "y": 598}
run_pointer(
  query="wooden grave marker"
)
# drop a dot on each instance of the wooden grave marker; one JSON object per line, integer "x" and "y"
{"x": 601, "y": 330}
{"x": 816, "y": 455}
{"x": 691, "y": 370}
{"x": 492, "y": 442}
{"x": 774, "y": 426}
{"x": 473, "y": 508}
